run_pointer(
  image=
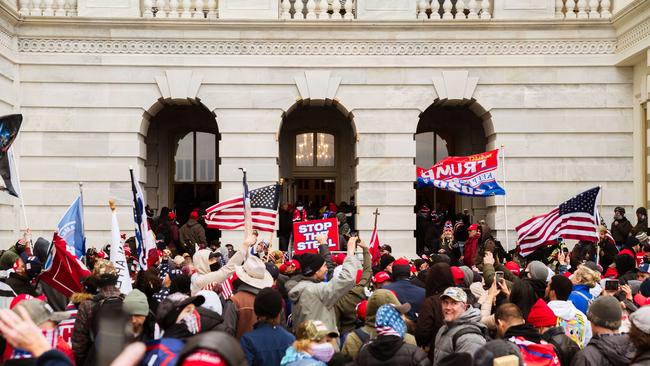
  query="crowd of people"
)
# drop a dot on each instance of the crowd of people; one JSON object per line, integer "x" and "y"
{"x": 463, "y": 300}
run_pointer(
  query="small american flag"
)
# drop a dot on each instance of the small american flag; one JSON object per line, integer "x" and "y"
{"x": 229, "y": 214}
{"x": 576, "y": 219}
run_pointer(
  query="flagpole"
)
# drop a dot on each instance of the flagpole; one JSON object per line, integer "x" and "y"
{"x": 83, "y": 230}
{"x": 248, "y": 225}
{"x": 598, "y": 218}
{"x": 505, "y": 197}
{"x": 22, "y": 201}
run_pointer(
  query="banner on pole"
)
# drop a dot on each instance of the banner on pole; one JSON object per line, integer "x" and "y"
{"x": 305, "y": 232}
{"x": 118, "y": 257}
{"x": 473, "y": 175}
{"x": 70, "y": 229}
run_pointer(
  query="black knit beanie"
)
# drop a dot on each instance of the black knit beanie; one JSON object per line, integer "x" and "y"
{"x": 385, "y": 260}
{"x": 268, "y": 303}
{"x": 310, "y": 263}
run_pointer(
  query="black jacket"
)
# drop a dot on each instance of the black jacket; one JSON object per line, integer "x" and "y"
{"x": 391, "y": 351}
{"x": 606, "y": 350}
{"x": 565, "y": 348}
{"x": 21, "y": 285}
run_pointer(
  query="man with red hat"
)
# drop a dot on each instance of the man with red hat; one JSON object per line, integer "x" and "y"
{"x": 405, "y": 290}
{"x": 545, "y": 320}
{"x": 471, "y": 245}
{"x": 192, "y": 232}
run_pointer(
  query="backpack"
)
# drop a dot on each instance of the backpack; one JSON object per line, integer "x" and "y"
{"x": 575, "y": 328}
{"x": 565, "y": 348}
{"x": 363, "y": 336}
{"x": 108, "y": 306}
{"x": 536, "y": 354}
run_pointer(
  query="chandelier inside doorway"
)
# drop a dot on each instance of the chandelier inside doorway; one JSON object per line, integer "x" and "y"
{"x": 315, "y": 144}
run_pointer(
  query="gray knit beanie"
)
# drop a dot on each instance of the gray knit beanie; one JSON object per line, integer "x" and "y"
{"x": 538, "y": 270}
{"x": 605, "y": 312}
{"x": 135, "y": 303}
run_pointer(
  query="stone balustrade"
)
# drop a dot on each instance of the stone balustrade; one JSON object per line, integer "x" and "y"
{"x": 47, "y": 8}
{"x": 317, "y": 9}
{"x": 195, "y": 9}
{"x": 453, "y": 9}
{"x": 583, "y": 9}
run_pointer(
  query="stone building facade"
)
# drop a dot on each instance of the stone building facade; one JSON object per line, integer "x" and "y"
{"x": 340, "y": 94}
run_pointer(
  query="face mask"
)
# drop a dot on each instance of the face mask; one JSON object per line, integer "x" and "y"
{"x": 322, "y": 351}
{"x": 299, "y": 208}
{"x": 618, "y": 216}
{"x": 642, "y": 217}
{"x": 192, "y": 321}
{"x": 215, "y": 266}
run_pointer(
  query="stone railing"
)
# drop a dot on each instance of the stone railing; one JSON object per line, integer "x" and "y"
{"x": 317, "y": 9}
{"x": 453, "y": 9}
{"x": 48, "y": 8}
{"x": 583, "y": 9}
{"x": 197, "y": 9}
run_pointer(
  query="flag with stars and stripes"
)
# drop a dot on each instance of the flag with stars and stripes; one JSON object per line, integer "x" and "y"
{"x": 575, "y": 219}
{"x": 229, "y": 214}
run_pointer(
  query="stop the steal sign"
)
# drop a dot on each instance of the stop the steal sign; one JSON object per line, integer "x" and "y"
{"x": 305, "y": 232}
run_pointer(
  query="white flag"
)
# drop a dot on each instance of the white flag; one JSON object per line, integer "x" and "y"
{"x": 119, "y": 259}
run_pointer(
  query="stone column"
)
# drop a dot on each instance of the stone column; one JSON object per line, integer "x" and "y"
{"x": 248, "y": 140}
{"x": 385, "y": 175}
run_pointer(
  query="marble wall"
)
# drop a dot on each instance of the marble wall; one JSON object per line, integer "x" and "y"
{"x": 554, "y": 98}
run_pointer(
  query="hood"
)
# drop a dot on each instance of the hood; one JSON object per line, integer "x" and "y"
{"x": 377, "y": 299}
{"x": 563, "y": 309}
{"x": 200, "y": 260}
{"x": 526, "y": 331}
{"x": 468, "y": 276}
{"x": 616, "y": 348}
{"x": 384, "y": 348}
{"x": 342, "y": 219}
{"x": 470, "y": 315}
{"x": 41, "y": 247}
{"x": 191, "y": 222}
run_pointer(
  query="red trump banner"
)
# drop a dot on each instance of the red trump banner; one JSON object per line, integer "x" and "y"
{"x": 305, "y": 232}
{"x": 473, "y": 175}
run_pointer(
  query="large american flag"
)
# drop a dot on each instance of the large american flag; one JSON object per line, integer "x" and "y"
{"x": 229, "y": 214}
{"x": 576, "y": 219}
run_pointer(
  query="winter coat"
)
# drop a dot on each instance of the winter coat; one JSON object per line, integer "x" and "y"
{"x": 565, "y": 348}
{"x": 407, "y": 292}
{"x": 391, "y": 350}
{"x": 568, "y": 314}
{"x": 581, "y": 297}
{"x": 266, "y": 344}
{"x": 526, "y": 331}
{"x": 192, "y": 233}
{"x": 21, "y": 284}
{"x": 642, "y": 359}
{"x": 606, "y": 350}
{"x": 204, "y": 276}
{"x": 353, "y": 343}
{"x": 429, "y": 323}
{"x": 468, "y": 343}
{"x": 641, "y": 226}
{"x": 621, "y": 231}
{"x": 346, "y": 314}
{"x": 82, "y": 335}
{"x": 608, "y": 252}
{"x": 469, "y": 251}
{"x": 239, "y": 316}
{"x": 316, "y": 300}
{"x": 295, "y": 358}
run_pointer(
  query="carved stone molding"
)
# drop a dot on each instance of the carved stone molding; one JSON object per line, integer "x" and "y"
{"x": 179, "y": 84}
{"x": 320, "y": 48}
{"x": 633, "y": 36}
{"x": 317, "y": 85}
{"x": 455, "y": 85}
{"x": 5, "y": 39}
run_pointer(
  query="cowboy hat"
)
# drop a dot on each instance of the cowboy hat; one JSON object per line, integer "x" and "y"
{"x": 254, "y": 273}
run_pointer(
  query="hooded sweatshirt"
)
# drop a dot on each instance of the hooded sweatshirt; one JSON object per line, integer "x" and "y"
{"x": 468, "y": 343}
{"x": 606, "y": 350}
{"x": 204, "y": 276}
{"x": 575, "y": 323}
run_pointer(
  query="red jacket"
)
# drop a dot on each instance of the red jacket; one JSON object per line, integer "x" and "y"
{"x": 469, "y": 252}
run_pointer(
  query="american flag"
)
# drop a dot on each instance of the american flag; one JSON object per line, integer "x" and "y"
{"x": 576, "y": 219}
{"x": 229, "y": 214}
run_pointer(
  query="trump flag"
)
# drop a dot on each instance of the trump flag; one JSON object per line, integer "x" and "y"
{"x": 473, "y": 175}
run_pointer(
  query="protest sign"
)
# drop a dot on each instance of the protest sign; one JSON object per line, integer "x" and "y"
{"x": 305, "y": 232}
{"x": 473, "y": 175}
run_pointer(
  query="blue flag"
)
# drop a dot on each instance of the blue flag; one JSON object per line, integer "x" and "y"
{"x": 71, "y": 229}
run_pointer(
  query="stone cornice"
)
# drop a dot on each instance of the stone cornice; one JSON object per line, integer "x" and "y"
{"x": 319, "y": 48}
{"x": 634, "y": 36}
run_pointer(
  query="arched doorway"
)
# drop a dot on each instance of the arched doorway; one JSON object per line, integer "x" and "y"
{"x": 317, "y": 155}
{"x": 182, "y": 157}
{"x": 446, "y": 128}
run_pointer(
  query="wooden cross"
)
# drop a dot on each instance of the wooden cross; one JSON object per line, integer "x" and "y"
{"x": 376, "y": 214}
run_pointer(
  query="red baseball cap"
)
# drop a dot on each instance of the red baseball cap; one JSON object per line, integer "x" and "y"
{"x": 472, "y": 227}
{"x": 194, "y": 215}
{"x": 458, "y": 274}
{"x": 513, "y": 267}
{"x": 401, "y": 262}
{"x": 361, "y": 310}
{"x": 339, "y": 258}
{"x": 204, "y": 357}
{"x": 380, "y": 277}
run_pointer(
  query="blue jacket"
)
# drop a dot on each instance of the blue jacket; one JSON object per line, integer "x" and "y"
{"x": 581, "y": 297}
{"x": 407, "y": 292}
{"x": 295, "y": 358}
{"x": 265, "y": 345}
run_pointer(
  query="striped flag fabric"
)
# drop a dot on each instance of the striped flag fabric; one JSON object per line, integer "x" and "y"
{"x": 229, "y": 214}
{"x": 575, "y": 219}
{"x": 374, "y": 247}
{"x": 144, "y": 240}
